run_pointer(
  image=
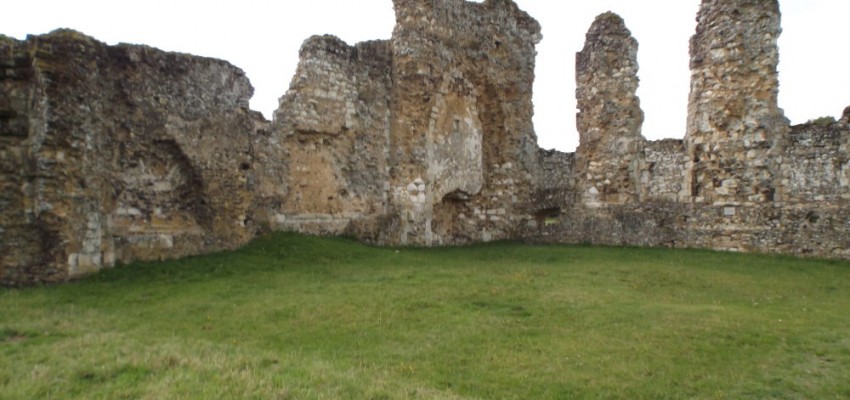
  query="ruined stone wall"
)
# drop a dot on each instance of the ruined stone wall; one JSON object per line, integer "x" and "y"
{"x": 609, "y": 119}
{"x": 25, "y": 245}
{"x": 736, "y": 130}
{"x": 114, "y": 153}
{"x": 463, "y": 147}
{"x": 770, "y": 188}
{"x": 816, "y": 164}
{"x": 182, "y": 153}
{"x": 742, "y": 180}
{"x": 117, "y": 153}
{"x": 333, "y": 124}
{"x": 663, "y": 174}
{"x": 425, "y": 139}
{"x": 816, "y": 186}
{"x": 556, "y": 183}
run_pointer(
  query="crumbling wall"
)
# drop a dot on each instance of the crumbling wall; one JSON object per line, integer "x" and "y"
{"x": 735, "y": 129}
{"x": 125, "y": 152}
{"x": 117, "y": 153}
{"x": 816, "y": 166}
{"x": 59, "y": 219}
{"x": 463, "y": 147}
{"x": 26, "y": 243}
{"x": 556, "y": 183}
{"x": 181, "y": 153}
{"x": 816, "y": 187}
{"x": 608, "y": 159}
{"x": 664, "y": 171}
{"x": 742, "y": 180}
{"x": 766, "y": 187}
{"x": 333, "y": 125}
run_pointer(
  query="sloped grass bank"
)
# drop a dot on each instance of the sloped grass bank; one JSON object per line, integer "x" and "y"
{"x": 294, "y": 317}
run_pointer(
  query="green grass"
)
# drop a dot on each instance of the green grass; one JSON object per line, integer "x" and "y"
{"x": 293, "y": 317}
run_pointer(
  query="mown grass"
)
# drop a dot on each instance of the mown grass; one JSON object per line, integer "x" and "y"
{"x": 294, "y": 317}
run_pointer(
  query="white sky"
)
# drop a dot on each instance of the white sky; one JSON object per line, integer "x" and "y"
{"x": 263, "y": 37}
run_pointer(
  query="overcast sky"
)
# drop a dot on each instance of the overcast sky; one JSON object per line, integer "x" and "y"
{"x": 263, "y": 37}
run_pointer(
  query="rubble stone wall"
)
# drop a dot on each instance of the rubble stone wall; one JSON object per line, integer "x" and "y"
{"x": 736, "y": 131}
{"x": 464, "y": 151}
{"x": 609, "y": 119}
{"x": 26, "y": 246}
{"x": 663, "y": 175}
{"x": 556, "y": 182}
{"x": 743, "y": 179}
{"x": 117, "y": 153}
{"x": 333, "y": 127}
{"x": 816, "y": 163}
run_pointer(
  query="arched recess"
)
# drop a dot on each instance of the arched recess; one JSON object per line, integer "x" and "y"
{"x": 161, "y": 198}
{"x": 455, "y": 138}
{"x": 451, "y": 223}
{"x": 456, "y": 165}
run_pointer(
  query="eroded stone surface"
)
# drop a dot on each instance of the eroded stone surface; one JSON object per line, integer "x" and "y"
{"x": 735, "y": 128}
{"x": 461, "y": 120}
{"x": 333, "y": 126}
{"x": 610, "y": 119}
{"x": 742, "y": 180}
{"x": 114, "y": 153}
{"x": 117, "y": 153}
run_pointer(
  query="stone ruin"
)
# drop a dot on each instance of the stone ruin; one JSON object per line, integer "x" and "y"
{"x": 110, "y": 154}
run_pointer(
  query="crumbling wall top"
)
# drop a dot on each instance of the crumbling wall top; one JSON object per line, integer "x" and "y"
{"x": 440, "y": 17}
{"x": 606, "y": 68}
{"x": 324, "y": 45}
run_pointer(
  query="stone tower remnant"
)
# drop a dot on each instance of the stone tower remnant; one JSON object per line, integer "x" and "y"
{"x": 463, "y": 146}
{"x": 110, "y": 154}
{"x": 610, "y": 118}
{"x": 735, "y": 132}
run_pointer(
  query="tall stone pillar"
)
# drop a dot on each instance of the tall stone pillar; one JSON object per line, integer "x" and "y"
{"x": 735, "y": 130}
{"x": 462, "y": 146}
{"x": 610, "y": 118}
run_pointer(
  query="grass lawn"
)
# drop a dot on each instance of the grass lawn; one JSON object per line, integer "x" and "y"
{"x": 294, "y": 317}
